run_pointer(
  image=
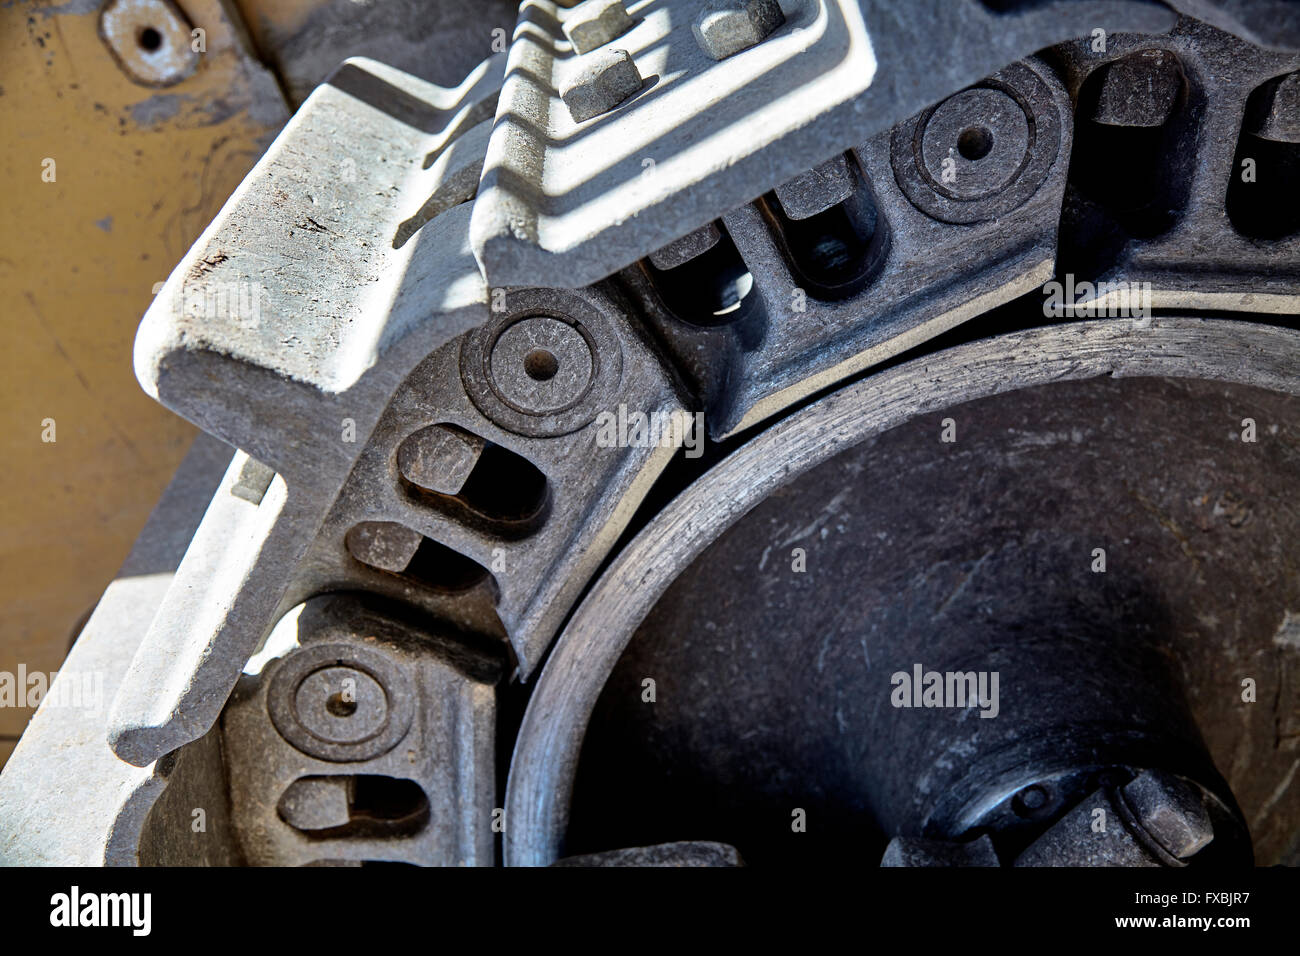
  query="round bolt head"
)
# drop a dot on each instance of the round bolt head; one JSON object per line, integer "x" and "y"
{"x": 341, "y": 705}
{"x": 150, "y": 40}
{"x": 969, "y": 159}
{"x": 340, "y": 702}
{"x": 975, "y": 143}
{"x": 541, "y": 365}
{"x": 605, "y": 78}
{"x": 728, "y": 26}
{"x": 1171, "y": 810}
{"x": 566, "y": 352}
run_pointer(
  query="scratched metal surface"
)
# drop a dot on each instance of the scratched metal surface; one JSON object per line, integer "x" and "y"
{"x": 911, "y": 543}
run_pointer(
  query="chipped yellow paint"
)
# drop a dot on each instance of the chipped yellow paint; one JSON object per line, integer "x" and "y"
{"x": 137, "y": 173}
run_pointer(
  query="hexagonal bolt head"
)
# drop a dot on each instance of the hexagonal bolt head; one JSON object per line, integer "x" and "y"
{"x": 1277, "y": 117}
{"x": 728, "y": 26}
{"x": 385, "y": 545}
{"x": 595, "y": 23}
{"x": 439, "y": 458}
{"x": 605, "y": 79}
{"x": 1140, "y": 90}
{"x": 1171, "y": 810}
{"x": 817, "y": 189}
{"x": 683, "y": 250}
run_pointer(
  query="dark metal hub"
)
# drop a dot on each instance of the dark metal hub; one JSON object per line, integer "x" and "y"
{"x": 773, "y": 653}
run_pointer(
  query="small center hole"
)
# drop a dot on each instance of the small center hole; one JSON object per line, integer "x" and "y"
{"x": 974, "y": 143}
{"x": 339, "y": 707}
{"x": 541, "y": 365}
{"x": 149, "y": 39}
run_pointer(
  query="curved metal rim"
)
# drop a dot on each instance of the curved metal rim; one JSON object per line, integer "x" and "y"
{"x": 546, "y": 753}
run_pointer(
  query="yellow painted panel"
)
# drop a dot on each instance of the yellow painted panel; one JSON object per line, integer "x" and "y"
{"x": 137, "y": 172}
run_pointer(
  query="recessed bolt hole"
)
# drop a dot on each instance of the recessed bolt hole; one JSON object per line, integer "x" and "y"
{"x": 974, "y": 143}
{"x": 1031, "y": 801}
{"x": 339, "y": 707}
{"x": 149, "y": 39}
{"x": 541, "y": 365}
{"x": 1033, "y": 797}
